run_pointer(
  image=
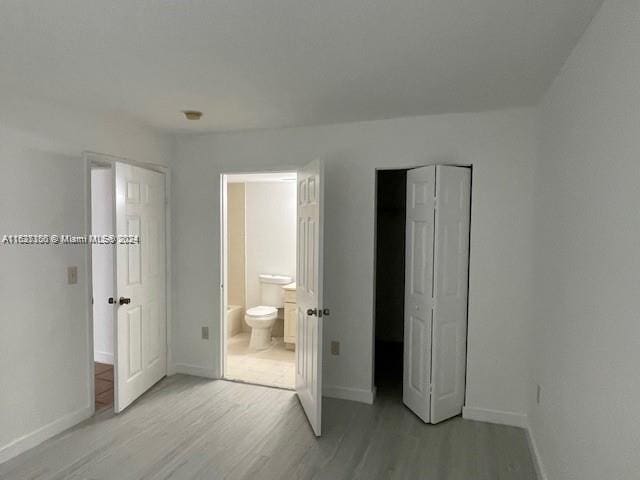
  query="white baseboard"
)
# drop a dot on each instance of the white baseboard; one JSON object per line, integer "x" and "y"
{"x": 512, "y": 419}
{"x": 346, "y": 393}
{"x": 38, "y": 436}
{"x": 103, "y": 357}
{"x": 535, "y": 453}
{"x": 500, "y": 417}
{"x": 194, "y": 370}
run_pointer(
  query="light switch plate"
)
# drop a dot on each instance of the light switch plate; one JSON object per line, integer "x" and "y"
{"x": 205, "y": 333}
{"x": 72, "y": 275}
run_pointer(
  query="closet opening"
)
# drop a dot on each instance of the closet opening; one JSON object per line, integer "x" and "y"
{"x": 389, "y": 285}
{"x": 423, "y": 220}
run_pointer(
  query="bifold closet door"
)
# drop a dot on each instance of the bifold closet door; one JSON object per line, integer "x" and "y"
{"x": 421, "y": 184}
{"x": 436, "y": 283}
{"x": 450, "y": 287}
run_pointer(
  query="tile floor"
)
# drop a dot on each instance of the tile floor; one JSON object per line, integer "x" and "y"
{"x": 274, "y": 366}
{"x": 103, "y": 385}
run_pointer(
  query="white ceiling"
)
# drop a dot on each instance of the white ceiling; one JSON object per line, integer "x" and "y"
{"x": 272, "y": 63}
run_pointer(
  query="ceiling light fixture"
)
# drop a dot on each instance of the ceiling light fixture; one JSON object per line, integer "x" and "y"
{"x": 192, "y": 114}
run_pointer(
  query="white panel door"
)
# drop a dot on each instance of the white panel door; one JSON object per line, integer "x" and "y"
{"x": 140, "y": 333}
{"x": 418, "y": 290}
{"x": 309, "y": 292}
{"x": 451, "y": 272}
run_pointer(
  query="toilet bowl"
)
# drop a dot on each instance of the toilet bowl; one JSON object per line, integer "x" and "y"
{"x": 261, "y": 319}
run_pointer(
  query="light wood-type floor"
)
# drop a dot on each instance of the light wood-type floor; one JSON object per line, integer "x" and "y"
{"x": 192, "y": 428}
{"x": 274, "y": 366}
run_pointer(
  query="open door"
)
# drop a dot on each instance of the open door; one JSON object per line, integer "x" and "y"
{"x": 141, "y": 327}
{"x": 416, "y": 387}
{"x": 309, "y": 292}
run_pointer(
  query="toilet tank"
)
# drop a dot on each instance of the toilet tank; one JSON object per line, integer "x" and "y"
{"x": 271, "y": 292}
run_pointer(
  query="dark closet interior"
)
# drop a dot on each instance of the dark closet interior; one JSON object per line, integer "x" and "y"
{"x": 389, "y": 264}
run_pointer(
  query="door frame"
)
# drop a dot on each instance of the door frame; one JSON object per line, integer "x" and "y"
{"x": 93, "y": 160}
{"x": 223, "y": 258}
{"x": 375, "y": 246}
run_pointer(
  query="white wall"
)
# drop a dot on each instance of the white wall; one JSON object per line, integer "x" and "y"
{"x": 44, "y": 362}
{"x": 270, "y": 225}
{"x": 102, "y": 264}
{"x": 587, "y": 256}
{"x": 501, "y": 147}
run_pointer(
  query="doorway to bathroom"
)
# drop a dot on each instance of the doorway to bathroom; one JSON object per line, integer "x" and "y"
{"x": 258, "y": 271}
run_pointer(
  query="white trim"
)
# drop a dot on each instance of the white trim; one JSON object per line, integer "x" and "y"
{"x": 30, "y": 440}
{"x": 346, "y": 393}
{"x": 103, "y": 357}
{"x": 535, "y": 454}
{"x": 194, "y": 370}
{"x": 513, "y": 419}
{"x": 224, "y": 277}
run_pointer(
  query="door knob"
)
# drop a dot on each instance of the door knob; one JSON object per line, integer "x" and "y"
{"x": 124, "y": 301}
{"x": 111, "y": 300}
{"x": 312, "y": 312}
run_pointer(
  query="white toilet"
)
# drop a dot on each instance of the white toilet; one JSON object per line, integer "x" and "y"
{"x": 262, "y": 317}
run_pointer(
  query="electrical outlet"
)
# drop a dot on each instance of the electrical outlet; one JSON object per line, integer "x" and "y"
{"x": 335, "y": 348}
{"x": 205, "y": 333}
{"x": 72, "y": 275}
{"x": 538, "y": 394}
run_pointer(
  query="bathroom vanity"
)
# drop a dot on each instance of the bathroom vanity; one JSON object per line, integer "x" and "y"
{"x": 290, "y": 314}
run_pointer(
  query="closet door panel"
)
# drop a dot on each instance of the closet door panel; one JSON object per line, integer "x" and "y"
{"x": 450, "y": 291}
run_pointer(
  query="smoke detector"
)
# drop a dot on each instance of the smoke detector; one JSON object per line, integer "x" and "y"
{"x": 192, "y": 114}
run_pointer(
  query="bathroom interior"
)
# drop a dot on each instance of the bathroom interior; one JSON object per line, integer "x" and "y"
{"x": 260, "y": 320}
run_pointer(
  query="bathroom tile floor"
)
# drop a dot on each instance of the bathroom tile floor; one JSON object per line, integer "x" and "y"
{"x": 274, "y": 366}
